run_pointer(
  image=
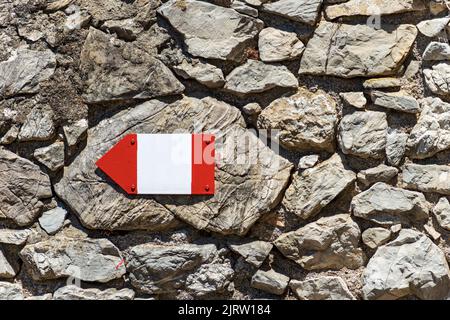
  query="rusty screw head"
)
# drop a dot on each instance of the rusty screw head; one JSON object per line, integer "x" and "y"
{"x": 133, "y": 187}
{"x": 207, "y": 187}
{"x": 133, "y": 142}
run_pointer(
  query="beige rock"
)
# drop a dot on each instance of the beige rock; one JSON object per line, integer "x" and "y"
{"x": 375, "y": 237}
{"x": 382, "y": 83}
{"x": 354, "y": 99}
{"x": 322, "y": 288}
{"x": 427, "y": 178}
{"x": 442, "y": 213}
{"x": 277, "y": 45}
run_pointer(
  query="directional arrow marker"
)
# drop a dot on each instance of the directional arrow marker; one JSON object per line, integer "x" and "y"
{"x": 162, "y": 164}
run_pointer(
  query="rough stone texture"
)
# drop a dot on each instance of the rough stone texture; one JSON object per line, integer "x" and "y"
{"x": 75, "y": 132}
{"x": 52, "y": 156}
{"x": 382, "y": 83}
{"x": 442, "y": 213}
{"x": 277, "y": 45}
{"x": 204, "y": 73}
{"x": 14, "y": 237}
{"x": 307, "y": 162}
{"x": 396, "y": 142}
{"x": 314, "y": 188}
{"x": 7, "y": 271}
{"x": 76, "y": 293}
{"x": 437, "y": 77}
{"x": 227, "y": 212}
{"x": 436, "y": 51}
{"x": 363, "y": 134}
{"x": 22, "y": 187}
{"x": 329, "y": 243}
{"x": 39, "y": 125}
{"x": 306, "y": 120}
{"x": 387, "y": 205}
{"x": 92, "y": 260}
{"x": 432, "y": 28}
{"x": 199, "y": 269}
{"x": 52, "y": 221}
{"x": 411, "y": 264}
{"x": 270, "y": 281}
{"x": 254, "y": 252}
{"x": 338, "y": 49}
{"x": 427, "y": 178}
{"x": 305, "y": 11}
{"x": 211, "y": 31}
{"x": 375, "y": 237}
{"x": 256, "y": 76}
{"x": 10, "y": 291}
{"x": 381, "y": 173}
{"x": 398, "y": 101}
{"x": 323, "y": 288}
{"x": 354, "y": 99}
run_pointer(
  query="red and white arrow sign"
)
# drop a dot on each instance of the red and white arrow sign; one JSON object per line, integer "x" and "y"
{"x": 162, "y": 163}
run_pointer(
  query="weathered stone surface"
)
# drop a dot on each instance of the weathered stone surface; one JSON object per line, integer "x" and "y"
{"x": 22, "y": 187}
{"x": 75, "y": 132}
{"x": 254, "y": 252}
{"x": 307, "y": 162}
{"x": 306, "y": 120}
{"x": 242, "y": 7}
{"x": 375, "y": 237}
{"x": 371, "y": 7}
{"x": 305, "y": 11}
{"x": 205, "y": 73}
{"x": 399, "y": 101}
{"x": 363, "y": 134}
{"x": 437, "y": 77}
{"x": 72, "y": 292}
{"x": 270, "y": 281}
{"x": 382, "y": 83}
{"x": 322, "y": 288}
{"x": 7, "y": 271}
{"x": 354, "y": 99}
{"x": 228, "y": 212}
{"x": 11, "y": 135}
{"x": 431, "y": 134}
{"x": 24, "y": 71}
{"x": 51, "y": 156}
{"x": 436, "y": 51}
{"x": 314, "y": 188}
{"x": 256, "y": 76}
{"x": 92, "y": 260}
{"x": 159, "y": 269}
{"x": 14, "y": 237}
{"x": 381, "y": 173}
{"x": 277, "y": 45}
{"x": 53, "y": 220}
{"x": 396, "y": 142}
{"x": 427, "y": 178}
{"x": 329, "y": 243}
{"x": 39, "y": 125}
{"x": 116, "y": 70}
{"x": 211, "y": 31}
{"x": 442, "y": 213}
{"x": 338, "y": 49}
{"x": 387, "y": 205}
{"x": 432, "y": 28}
{"x": 411, "y": 264}
{"x": 10, "y": 291}
{"x": 142, "y": 11}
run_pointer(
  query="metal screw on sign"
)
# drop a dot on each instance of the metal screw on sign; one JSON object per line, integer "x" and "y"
{"x": 133, "y": 187}
{"x": 133, "y": 142}
{"x": 207, "y": 188}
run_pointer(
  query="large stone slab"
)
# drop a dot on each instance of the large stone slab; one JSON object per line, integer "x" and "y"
{"x": 211, "y": 31}
{"x": 329, "y": 243}
{"x": 245, "y": 190}
{"x": 306, "y": 120}
{"x": 22, "y": 187}
{"x": 93, "y": 260}
{"x": 316, "y": 187}
{"x": 338, "y": 49}
{"x": 10, "y": 291}
{"x": 72, "y": 292}
{"x": 306, "y": 11}
{"x": 118, "y": 70}
{"x": 427, "y": 178}
{"x": 436, "y": 79}
{"x": 322, "y": 288}
{"x": 410, "y": 265}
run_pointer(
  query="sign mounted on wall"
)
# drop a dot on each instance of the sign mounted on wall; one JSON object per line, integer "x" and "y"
{"x": 162, "y": 164}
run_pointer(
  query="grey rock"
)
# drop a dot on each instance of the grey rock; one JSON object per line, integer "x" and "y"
{"x": 72, "y": 292}
{"x": 14, "y": 237}
{"x": 11, "y": 135}
{"x": 436, "y": 51}
{"x": 387, "y": 205}
{"x": 10, "y": 291}
{"x": 39, "y": 125}
{"x": 117, "y": 70}
{"x": 77, "y": 20}
{"x": 23, "y": 72}
{"x": 306, "y": 11}
{"x": 328, "y": 243}
{"x": 205, "y": 73}
{"x": 412, "y": 70}
{"x": 254, "y": 252}
{"x": 211, "y": 31}
{"x": 251, "y": 112}
{"x": 381, "y": 173}
{"x": 432, "y": 28}
{"x": 104, "y": 10}
{"x": 354, "y": 99}
{"x": 276, "y": 45}
{"x": 305, "y": 121}
{"x": 46, "y": 296}
{"x": 431, "y": 231}
{"x": 307, "y": 162}
{"x": 162, "y": 269}
{"x": 127, "y": 29}
{"x": 363, "y": 134}
{"x": 242, "y": 7}
{"x": 442, "y": 213}
{"x": 105, "y": 207}
{"x": 23, "y": 186}
{"x": 270, "y": 281}
{"x": 375, "y": 237}
{"x": 75, "y": 132}
{"x": 51, "y": 156}
{"x": 396, "y": 142}
{"x": 431, "y": 134}
{"x": 53, "y": 220}
{"x": 338, "y": 49}
{"x": 399, "y": 101}
{"x": 322, "y": 288}
{"x": 314, "y": 188}
{"x": 91, "y": 260}
{"x": 7, "y": 271}
{"x": 382, "y": 83}
{"x": 427, "y": 178}
{"x": 410, "y": 265}
{"x": 256, "y": 76}
{"x": 437, "y": 77}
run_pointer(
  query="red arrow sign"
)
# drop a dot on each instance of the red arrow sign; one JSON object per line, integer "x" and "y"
{"x": 162, "y": 163}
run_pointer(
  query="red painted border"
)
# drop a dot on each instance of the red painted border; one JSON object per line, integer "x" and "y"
{"x": 120, "y": 163}
{"x": 203, "y": 164}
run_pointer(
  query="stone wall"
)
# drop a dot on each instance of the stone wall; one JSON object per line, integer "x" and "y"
{"x": 354, "y": 204}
